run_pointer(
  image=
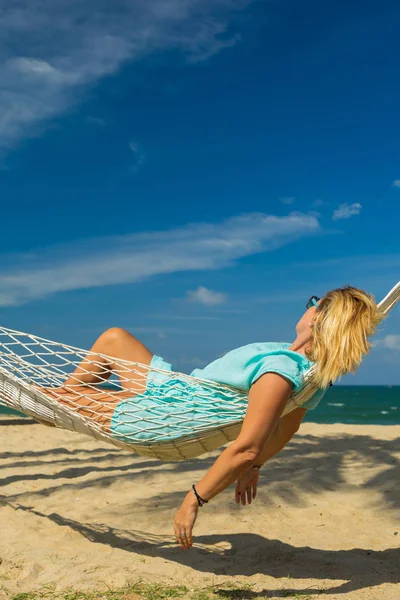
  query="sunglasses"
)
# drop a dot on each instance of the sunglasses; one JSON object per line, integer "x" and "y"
{"x": 313, "y": 301}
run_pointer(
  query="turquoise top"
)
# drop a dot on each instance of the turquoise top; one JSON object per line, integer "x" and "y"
{"x": 172, "y": 407}
{"x": 242, "y": 367}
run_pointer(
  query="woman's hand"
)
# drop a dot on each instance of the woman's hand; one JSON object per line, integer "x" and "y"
{"x": 246, "y": 486}
{"x": 185, "y": 519}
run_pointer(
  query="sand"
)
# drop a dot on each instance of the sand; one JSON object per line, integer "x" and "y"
{"x": 82, "y": 514}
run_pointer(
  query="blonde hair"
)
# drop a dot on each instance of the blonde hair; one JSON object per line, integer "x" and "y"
{"x": 346, "y": 317}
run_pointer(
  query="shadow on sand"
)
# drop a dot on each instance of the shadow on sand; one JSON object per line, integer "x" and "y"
{"x": 250, "y": 554}
{"x": 316, "y": 465}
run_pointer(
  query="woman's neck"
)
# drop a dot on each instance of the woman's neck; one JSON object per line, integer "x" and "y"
{"x": 300, "y": 345}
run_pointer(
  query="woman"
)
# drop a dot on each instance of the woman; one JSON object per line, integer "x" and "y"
{"x": 332, "y": 333}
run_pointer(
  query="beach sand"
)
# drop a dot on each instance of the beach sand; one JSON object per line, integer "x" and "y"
{"x": 83, "y": 514}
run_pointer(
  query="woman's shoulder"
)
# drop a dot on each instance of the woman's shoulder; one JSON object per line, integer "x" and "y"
{"x": 281, "y": 357}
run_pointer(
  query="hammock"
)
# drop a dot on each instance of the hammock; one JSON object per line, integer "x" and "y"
{"x": 204, "y": 415}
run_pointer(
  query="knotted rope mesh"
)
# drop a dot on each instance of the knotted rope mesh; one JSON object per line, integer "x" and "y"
{"x": 170, "y": 415}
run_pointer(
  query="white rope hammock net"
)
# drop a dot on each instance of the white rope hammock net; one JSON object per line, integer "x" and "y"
{"x": 179, "y": 418}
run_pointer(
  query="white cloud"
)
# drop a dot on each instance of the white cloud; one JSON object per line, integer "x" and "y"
{"x": 205, "y": 296}
{"x": 391, "y": 341}
{"x": 345, "y": 211}
{"x": 287, "y": 199}
{"x": 396, "y": 183}
{"x": 51, "y": 52}
{"x": 130, "y": 258}
{"x": 138, "y": 155}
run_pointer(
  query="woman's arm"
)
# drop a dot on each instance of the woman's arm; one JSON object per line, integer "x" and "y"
{"x": 246, "y": 485}
{"x": 283, "y": 433}
{"x": 267, "y": 399}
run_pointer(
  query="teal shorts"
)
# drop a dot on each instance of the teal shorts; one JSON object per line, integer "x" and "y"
{"x": 171, "y": 407}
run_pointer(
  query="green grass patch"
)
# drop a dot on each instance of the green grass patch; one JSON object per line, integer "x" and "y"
{"x": 146, "y": 591}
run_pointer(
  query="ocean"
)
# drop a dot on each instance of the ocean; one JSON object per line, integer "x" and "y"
{"x": 362, "y": 405}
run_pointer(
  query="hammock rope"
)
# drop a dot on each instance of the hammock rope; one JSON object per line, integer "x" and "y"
{"x": 176, "y": 416}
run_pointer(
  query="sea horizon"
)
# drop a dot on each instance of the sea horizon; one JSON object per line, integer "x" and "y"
{"x": 347, "y": 404}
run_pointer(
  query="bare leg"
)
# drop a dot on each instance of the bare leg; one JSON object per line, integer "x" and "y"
{"x": 80, "y": 392}
{"x": 90, "y": 402}
{"x": 121, "y": 346}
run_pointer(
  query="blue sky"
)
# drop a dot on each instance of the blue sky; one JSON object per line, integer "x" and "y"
{"x": 194, "y": 170}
